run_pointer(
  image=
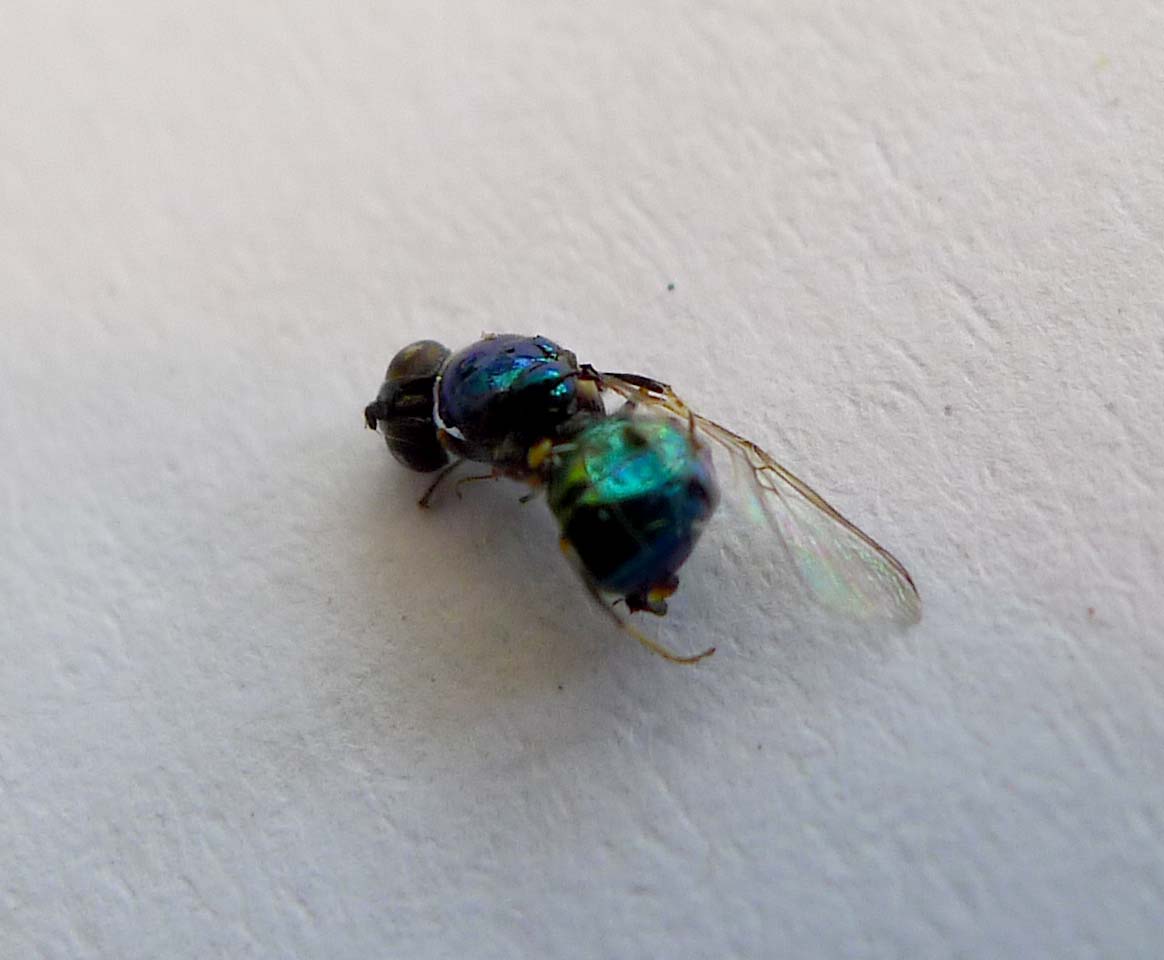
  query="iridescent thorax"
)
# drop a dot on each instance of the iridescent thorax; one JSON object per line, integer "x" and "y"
{"x": 502, "y": 395}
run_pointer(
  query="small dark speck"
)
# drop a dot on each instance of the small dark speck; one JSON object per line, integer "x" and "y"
{"x": 1110, "y": 406}
{"x": 759, "y": 746}
{"x": 560, "y": 687}
{"x": 670, "y": 286}
{"x": 1090, "y": 613}
{"x": 948, "y": 410}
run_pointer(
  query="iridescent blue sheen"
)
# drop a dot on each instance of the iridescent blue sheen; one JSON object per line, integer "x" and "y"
{"x": 505, "y": 393}
{"x": 631, "y": 495}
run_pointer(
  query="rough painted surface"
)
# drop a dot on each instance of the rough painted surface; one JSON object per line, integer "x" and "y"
{"x": 253, "y": 703}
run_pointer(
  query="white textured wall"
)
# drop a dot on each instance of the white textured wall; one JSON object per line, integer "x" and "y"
{"x": 254, "y": 704}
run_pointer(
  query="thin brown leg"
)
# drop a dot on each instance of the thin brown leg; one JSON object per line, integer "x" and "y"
{"x": 426, "y": 500}
{"x": 473, "y": 479}
{"x": 653, "y": 645}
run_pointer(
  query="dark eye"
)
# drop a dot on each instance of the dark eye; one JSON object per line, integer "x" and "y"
{"x": 417, "y": 361}
{"x": 404, "y": 408}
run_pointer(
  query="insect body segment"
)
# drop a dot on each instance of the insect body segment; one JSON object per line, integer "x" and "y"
{"x": 631, "y": 495}
{"x": 501, "y": 396}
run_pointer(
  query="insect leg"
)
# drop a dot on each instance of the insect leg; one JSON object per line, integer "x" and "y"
{"x": 473, "y": 479}
{"x": 426, "y": 500}
{"x": 653, "y": 645}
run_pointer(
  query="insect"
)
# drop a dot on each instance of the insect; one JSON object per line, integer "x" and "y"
{"x": 631, "y": 490}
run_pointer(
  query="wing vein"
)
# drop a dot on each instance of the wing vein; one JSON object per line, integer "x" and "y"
{"x": 842, "y": 565}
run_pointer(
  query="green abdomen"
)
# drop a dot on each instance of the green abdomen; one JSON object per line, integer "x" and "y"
{"x": 631, "y": 495}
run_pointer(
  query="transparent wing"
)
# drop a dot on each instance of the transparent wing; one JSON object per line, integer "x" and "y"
{"x": 846, "y": 569}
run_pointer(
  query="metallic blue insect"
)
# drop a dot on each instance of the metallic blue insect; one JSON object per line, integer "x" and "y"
{"x": 631, "y": 491}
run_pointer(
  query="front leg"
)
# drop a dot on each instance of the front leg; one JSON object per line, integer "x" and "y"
{"x": 426, "y": 500}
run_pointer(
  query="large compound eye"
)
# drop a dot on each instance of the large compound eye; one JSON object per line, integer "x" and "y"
{"x": 403, "y": 410}
{"x": 418, "y": 361}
